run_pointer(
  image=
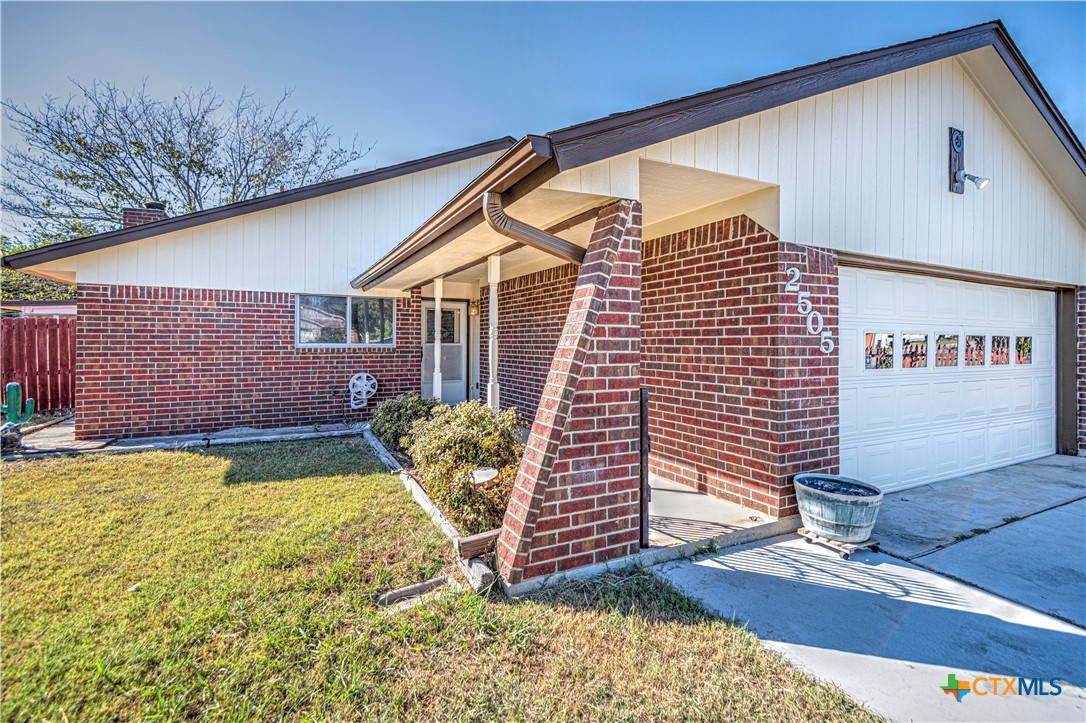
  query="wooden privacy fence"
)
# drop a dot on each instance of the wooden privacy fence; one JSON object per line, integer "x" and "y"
{"x": 39, "y": 353}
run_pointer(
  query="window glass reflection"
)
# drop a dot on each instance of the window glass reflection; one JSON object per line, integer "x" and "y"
{"x": 946, "y": 350}
{"x": 914, "y": 351}
{"x": 878, "y": 351}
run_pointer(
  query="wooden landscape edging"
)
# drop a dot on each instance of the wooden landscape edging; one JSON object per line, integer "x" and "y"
{"x": 484, "y": 543}
{"x": 473, "y": 552}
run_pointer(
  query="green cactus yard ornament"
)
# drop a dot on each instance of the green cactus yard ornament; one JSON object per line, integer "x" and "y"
{"x": 13, "y": 392}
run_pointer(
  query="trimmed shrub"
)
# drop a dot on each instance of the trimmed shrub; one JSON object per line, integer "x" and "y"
{"x": 392, "y": 419}
{"x": 474, "y": 508}
{"x": 452, "y": 442}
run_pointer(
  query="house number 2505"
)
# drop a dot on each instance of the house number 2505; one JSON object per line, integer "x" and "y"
{"x": 815, "y": 322}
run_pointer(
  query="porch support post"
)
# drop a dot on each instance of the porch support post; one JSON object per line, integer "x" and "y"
{"x": 493, "y": 277}
{"x": 439, "y": 291}
{"x": 576, "y": 500}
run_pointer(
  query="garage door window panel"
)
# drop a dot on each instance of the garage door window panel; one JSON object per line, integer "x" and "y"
{"x": 878, "y": 350}
{"x": 946, "y": 350}
{"x": 1023, "y": 350}
{"x": 914, "y": 351}
{"x": 974, "y": 350}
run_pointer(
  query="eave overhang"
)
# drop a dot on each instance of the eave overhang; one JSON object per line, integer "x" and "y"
{"x": 524, "y": 167}
{"x": 622, "y": 132}
{"x": 108, "y": 239}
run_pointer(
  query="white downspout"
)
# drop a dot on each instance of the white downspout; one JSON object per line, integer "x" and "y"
{"x": 493, "y": 277}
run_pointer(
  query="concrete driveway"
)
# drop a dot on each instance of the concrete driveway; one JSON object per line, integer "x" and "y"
{"x": 922, "y": 520}
{"x": 980, "y": 576}
{"x": 1019, "y": 532}
{"x": 889, "y": 632}
{"x": 1039, "y": 561}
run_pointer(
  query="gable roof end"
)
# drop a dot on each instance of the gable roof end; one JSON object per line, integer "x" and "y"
{"x": 595, "y": 140}
{"x": 108, "y": 239}
{"x": 522, "y": 168}
{"x": 622, "y": 132}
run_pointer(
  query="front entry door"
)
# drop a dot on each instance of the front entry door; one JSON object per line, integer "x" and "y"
{"x": 454, "y": 351}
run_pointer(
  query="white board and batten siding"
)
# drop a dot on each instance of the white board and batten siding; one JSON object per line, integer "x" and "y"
{"x": 314, "y": 246}
{"x": 905, "y": 426}
{"x": 864, "y": 169}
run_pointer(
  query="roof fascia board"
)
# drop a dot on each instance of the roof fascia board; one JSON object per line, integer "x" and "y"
{"x": 178, "y": 223}
{"x": 521, "y": 169}
{"x": 588, "y": 142}
{"x": 1012, "y": 127}
{"x": 372, "y": 277}
{"x": 1023, "y": 73}
{"x": 520, "y": 162}
{"x": 614, "y": 135}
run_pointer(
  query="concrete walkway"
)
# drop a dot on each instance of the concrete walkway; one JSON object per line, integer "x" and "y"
{"x": 59, "y": 439}
{"x": 921, "y": 520}
{"x": 679, "y": 514}
{"x": 889, "y": 632}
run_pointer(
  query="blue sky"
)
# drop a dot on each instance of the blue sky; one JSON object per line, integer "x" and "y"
{"x": 419, "y": 78}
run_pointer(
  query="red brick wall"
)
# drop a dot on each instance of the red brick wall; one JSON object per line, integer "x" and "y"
{"x": 577, "y": 492}
{"x": 740, "y": 396}
{"x": 138, "y": 216}
{"x": 1081, "y": 369}
{"x": 808, "y": 406}
{"x": 156, "y": 361}
{"x": 531, "y": 313}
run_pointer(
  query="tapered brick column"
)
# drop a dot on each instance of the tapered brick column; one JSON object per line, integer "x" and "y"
{"x": 577, "y": 492}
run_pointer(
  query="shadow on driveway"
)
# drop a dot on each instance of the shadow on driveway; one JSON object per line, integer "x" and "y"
{"x": 889, "y": 632}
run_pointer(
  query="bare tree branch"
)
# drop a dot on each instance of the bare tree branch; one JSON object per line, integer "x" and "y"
{"x": 82, "y": 160}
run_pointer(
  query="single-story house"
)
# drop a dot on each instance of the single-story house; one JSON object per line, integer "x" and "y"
{"x": 874, "y": 265}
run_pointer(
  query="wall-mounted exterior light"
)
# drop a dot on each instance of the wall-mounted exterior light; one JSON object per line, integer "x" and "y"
{"x": 473, "y": 308}
{"x": 978, "y": 181}
{"x": 958, "y": 176}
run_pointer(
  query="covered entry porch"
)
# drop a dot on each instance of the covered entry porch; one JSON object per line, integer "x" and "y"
{"x": 680, "y": 514}
{"x": 570, "y": 327}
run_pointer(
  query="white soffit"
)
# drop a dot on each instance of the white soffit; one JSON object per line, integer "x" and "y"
{"x": 669, "y": 190}
{"x": 1025, "y": 121}
{"x": 541, "y": 208}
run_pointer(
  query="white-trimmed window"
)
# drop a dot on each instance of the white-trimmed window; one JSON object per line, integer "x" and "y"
{"x": 345, "y": 321}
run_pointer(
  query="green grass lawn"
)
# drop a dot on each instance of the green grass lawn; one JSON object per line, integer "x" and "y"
{"x": 239, "y": 583}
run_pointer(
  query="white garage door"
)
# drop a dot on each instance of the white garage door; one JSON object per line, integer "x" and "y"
{"x": 941, "y": 378}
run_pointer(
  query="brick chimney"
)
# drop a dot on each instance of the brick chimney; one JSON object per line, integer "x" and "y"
{"x": 151, "y": 211}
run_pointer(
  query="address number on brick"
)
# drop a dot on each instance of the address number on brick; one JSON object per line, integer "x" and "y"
{"x": 815, "y": 322}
